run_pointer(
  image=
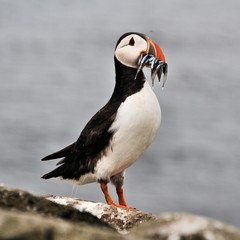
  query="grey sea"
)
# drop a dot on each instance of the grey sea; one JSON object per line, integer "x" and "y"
{"x": 56, "y": 71}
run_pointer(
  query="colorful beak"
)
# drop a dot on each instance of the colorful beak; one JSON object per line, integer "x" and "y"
{"x": 154, "y": 58}
{"x": 155, "y": 50}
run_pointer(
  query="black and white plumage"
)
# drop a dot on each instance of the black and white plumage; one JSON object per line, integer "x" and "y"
{"x": 120, "y": 132}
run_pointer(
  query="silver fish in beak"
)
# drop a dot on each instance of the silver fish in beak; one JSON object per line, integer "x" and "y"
{"x": 154, "y": 58}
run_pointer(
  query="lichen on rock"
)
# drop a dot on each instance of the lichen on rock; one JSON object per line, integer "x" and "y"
{"x": 121, "y": 219}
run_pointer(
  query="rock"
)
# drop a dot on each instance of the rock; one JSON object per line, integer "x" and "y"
{"x": 16, "y": 225}
{"x": 16, "y": 199}
{"x": 24, "y": 216}
{"x": 180, "y": 226}
{"x": 141, "y": 225}
{"x": 122, "y": 220}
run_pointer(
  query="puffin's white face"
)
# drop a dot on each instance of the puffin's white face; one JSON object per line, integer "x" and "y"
{"x": 136, "y": 50}
{"x": 129, "y": 50}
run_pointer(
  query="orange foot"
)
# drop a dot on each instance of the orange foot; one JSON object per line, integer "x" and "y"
{"x": 122, "y": 203}
{"x": 121, "y": 206}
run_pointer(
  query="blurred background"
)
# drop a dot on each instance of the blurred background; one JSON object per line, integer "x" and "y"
{"x": 56, "y": 71}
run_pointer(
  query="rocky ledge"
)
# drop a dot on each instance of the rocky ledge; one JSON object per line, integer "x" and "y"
{"x": 25, "y": 216}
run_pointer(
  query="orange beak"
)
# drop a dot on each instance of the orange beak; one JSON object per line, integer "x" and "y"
{"x": 155, "y": 50}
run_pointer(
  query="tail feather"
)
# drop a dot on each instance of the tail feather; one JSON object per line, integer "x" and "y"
{"x": 49, "y": 175}
{"x": 59, "y": 154}
{"x": 66, "y": 171}
{"x": 58, "y": 172}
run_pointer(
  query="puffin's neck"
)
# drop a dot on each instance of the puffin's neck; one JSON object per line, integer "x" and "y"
{"x": 126, "y": 84}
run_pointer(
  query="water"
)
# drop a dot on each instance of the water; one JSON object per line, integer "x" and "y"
{"x": 56, "y": 71}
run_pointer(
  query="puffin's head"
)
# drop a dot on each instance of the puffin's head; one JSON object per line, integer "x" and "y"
{"x": 136, "y": 50}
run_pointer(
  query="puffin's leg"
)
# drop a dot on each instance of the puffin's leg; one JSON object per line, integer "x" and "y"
{"x": 108, "y": 198}
{"x": 121, "y": 198}
{"x": 117, "y": 181}
{"x": 122, "y": 202}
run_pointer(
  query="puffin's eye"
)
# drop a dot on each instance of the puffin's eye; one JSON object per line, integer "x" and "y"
{"x": 131, "y": 42}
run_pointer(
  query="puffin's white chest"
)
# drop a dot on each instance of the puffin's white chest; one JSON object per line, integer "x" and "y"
{"x": 137, "y": 121}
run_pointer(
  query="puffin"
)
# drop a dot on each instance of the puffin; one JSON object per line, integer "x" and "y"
{"x": 119, "y": 133}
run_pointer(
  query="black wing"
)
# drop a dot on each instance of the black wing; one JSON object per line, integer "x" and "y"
{"x": 82, "y": 156}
